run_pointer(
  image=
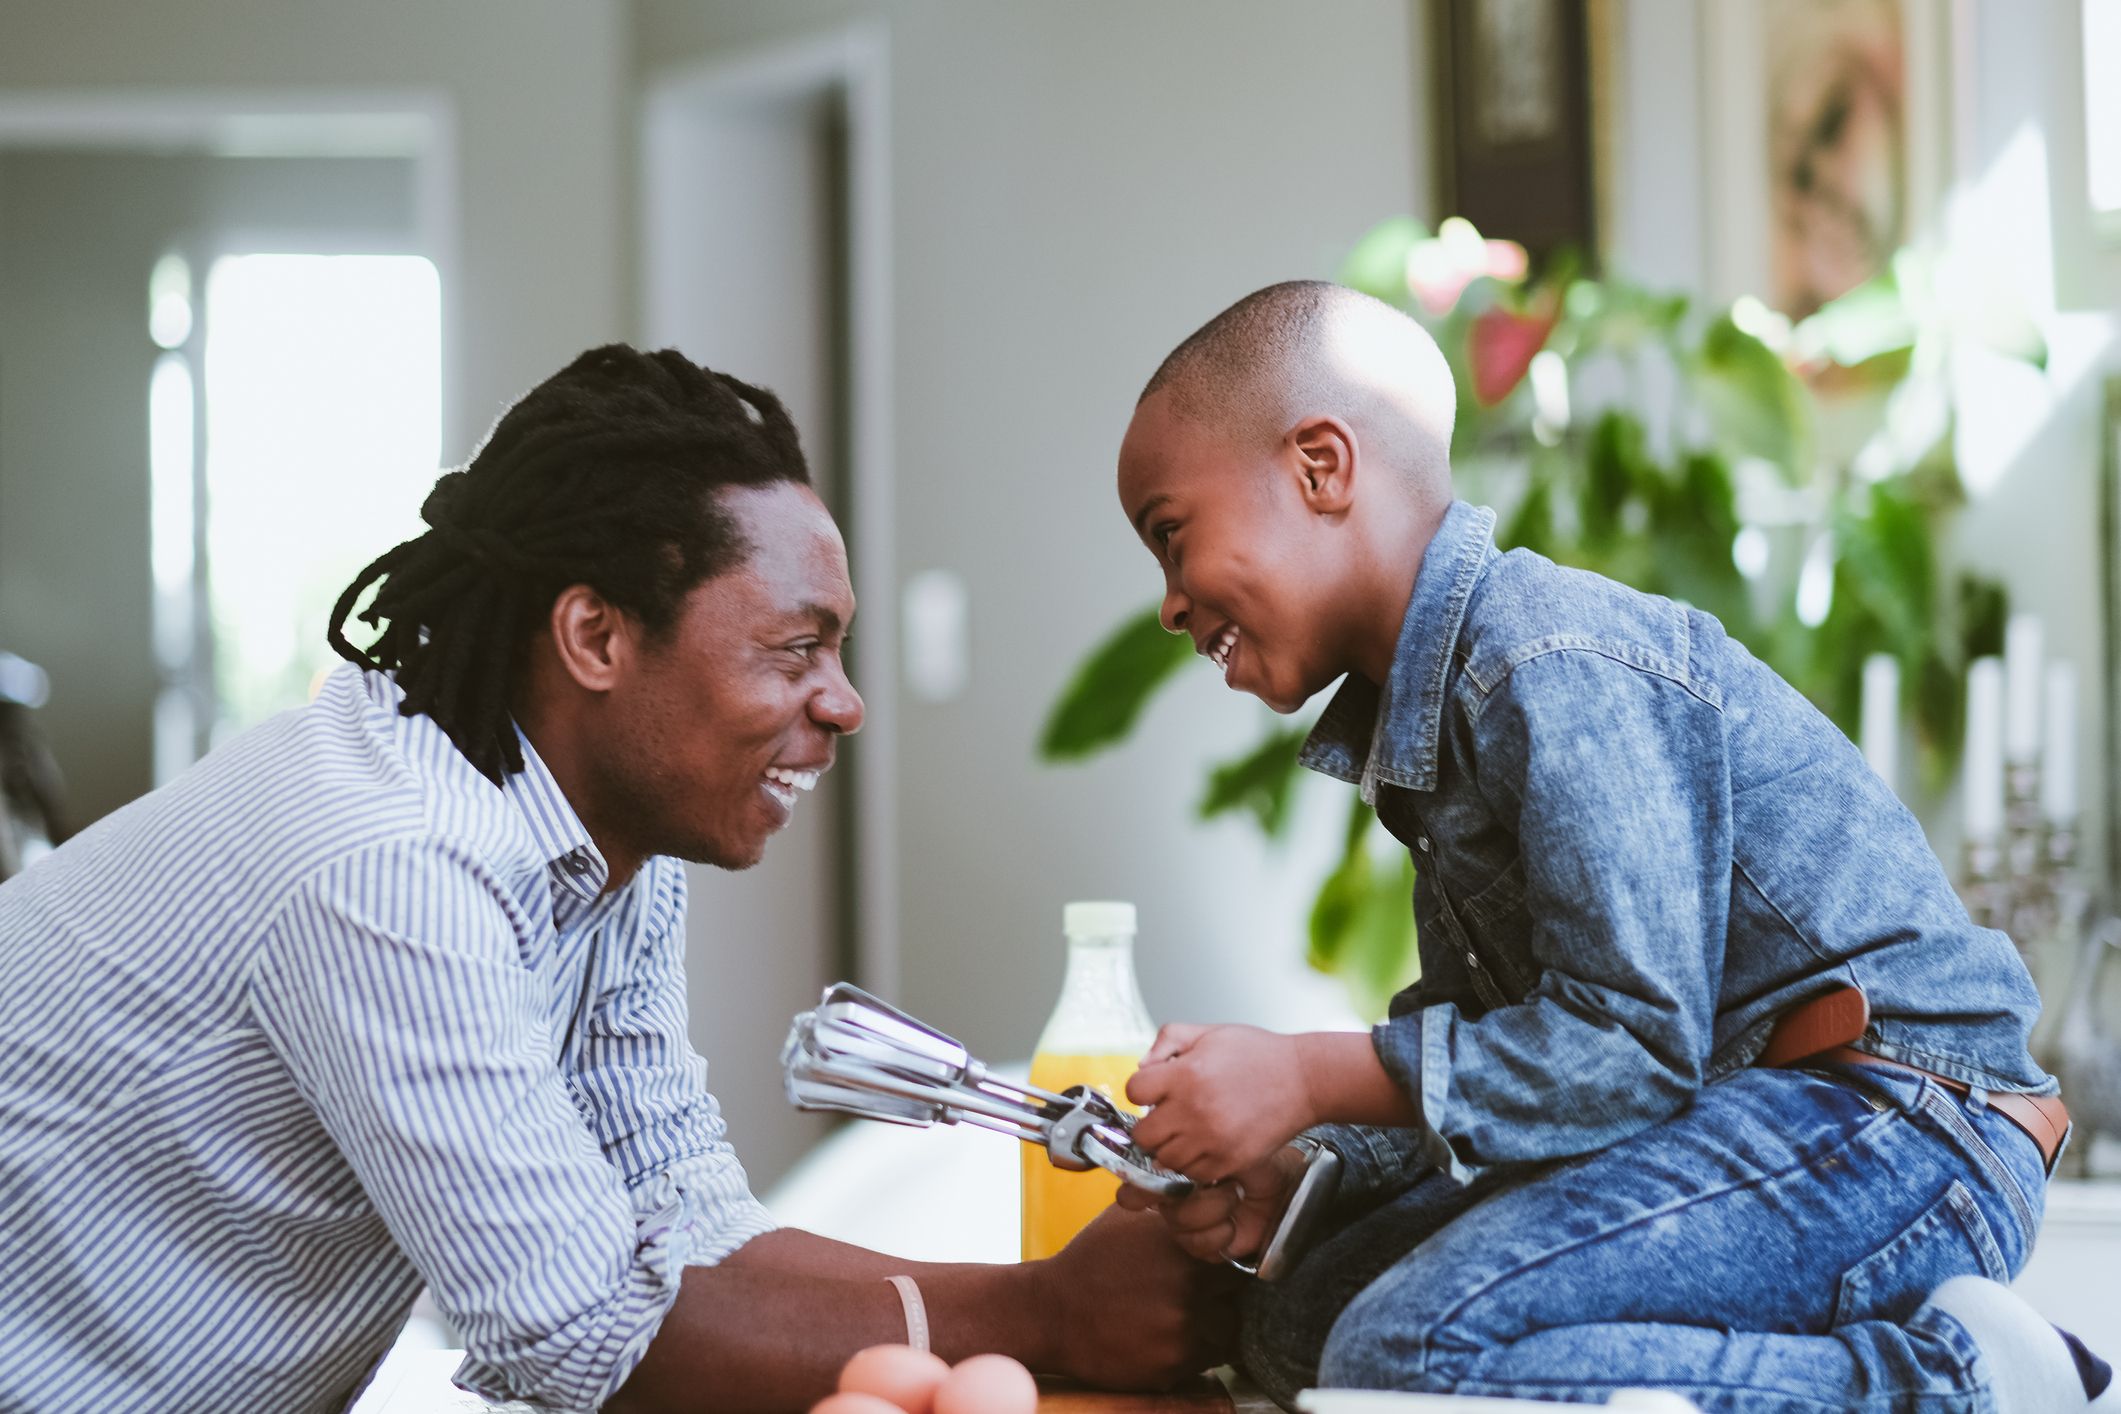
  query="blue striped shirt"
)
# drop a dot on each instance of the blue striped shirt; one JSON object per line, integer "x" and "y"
{"x": 328, "y": 1018}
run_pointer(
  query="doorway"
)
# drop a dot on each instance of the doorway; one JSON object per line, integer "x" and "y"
{"x": 121, "y": 216}
{"x": 764, "y": 255}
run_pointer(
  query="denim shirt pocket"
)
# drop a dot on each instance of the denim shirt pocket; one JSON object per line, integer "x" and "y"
{"x": 1498, "y": 917}
{"x": 1498, "y": 979}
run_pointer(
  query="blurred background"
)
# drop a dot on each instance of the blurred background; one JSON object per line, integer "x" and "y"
{"x": 1804, "y": 311}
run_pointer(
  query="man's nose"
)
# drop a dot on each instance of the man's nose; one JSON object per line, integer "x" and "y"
{"x": 838, "y": 708}
{"x": 1175, "y": 609}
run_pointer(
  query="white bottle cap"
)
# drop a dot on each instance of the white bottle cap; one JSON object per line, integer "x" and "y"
{"x": 1097, "y": 920}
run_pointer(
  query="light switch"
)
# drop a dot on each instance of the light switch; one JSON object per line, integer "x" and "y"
{"x": 935, "y": 627}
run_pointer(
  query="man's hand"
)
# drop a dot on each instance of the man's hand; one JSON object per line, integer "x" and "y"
{"x": 1223, "y": 1099}
{"x": 1130, "y": 1310}
{"x": 1232, "y": 1219}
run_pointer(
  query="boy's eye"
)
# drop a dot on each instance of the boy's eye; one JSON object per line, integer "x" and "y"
{"x": 1163, "y": 534}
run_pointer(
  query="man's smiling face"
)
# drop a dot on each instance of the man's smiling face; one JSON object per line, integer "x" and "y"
{"x": 1248, "y": 569}
{"x": 729, "y": 717}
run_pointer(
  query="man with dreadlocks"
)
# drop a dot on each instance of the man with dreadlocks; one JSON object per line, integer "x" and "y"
{"x": 388, "y": 992}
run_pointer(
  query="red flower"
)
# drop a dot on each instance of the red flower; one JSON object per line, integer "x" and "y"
{"x": 1500, "y": 346}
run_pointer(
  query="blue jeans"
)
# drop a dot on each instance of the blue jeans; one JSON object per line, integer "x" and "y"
{"x": 1768, "y": 1249}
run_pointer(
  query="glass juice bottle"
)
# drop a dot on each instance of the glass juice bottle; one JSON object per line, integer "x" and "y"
{"x": 1097, "y": 1034}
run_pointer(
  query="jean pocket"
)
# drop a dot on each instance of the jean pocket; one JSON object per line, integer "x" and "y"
{"x": 1951, "y": 1239}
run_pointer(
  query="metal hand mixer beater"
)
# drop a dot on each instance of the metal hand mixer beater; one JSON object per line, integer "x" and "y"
{"x": 862, "y": 1056}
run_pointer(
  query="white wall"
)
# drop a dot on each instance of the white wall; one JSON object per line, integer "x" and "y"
{"x": 540, "y": 95}
{"x": 1075, "y": 188}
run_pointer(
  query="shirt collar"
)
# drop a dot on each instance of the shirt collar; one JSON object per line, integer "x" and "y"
{"x": 1402, "y": 721}
{"x": 570, "y": 856}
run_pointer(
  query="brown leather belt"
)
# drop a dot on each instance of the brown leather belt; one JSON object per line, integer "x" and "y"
{"x": 1821, "y": 1029}
{"x": 2042, "y": 1117}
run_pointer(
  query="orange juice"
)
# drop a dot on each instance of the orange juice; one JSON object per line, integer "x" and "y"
{"x": 1057, "y": 1203}
{"x": 1098, "y": 1031}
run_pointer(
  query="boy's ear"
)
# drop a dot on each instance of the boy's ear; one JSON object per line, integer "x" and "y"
{"x": 1324, "y": 448}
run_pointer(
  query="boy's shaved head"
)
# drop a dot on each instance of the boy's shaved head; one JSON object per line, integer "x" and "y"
{"x": 1287, "y": 466}
{"x": 1306, "y": 346}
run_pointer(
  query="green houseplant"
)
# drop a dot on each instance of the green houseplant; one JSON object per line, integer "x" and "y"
{"x": 1793, "y": 481}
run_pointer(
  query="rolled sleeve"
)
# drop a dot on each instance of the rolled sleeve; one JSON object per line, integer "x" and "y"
{"x": 1614, "y": 779}
{"x": 646, "y": 1096}
{"x": 393, "y": 990}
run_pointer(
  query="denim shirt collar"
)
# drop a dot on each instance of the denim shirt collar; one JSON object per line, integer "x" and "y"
{"x": 1401, "y": 723}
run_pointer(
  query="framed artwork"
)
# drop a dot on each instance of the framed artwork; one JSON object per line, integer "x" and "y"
{"x": 1827, "y": 125}
{"x": 1513, "y": 83}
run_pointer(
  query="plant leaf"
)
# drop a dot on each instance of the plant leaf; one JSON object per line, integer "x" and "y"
{"x": 1615, "y": 466}
{"x": 1260, "y": 781}
{"x": 1378, "y": 264}
{"x": 1870, "y": 321}
{"x": 1112, "y": 687}
{"x": 1887, "y": 559}
{"x": 1756, "y": 404}
{"x": 1362, "y": 925}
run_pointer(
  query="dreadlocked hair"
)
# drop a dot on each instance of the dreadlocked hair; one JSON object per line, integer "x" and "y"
{"x": 605, "y": 474}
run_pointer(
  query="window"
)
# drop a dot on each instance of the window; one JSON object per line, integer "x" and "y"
{"x": 323, "y": 434}
{"x": 2102, "y": 105}
{"x": 320, "y": 385}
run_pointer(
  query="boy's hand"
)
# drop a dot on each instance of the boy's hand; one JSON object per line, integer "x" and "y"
{"x": 1231, "y": 1219}
{"x": 1223, "y": 1099}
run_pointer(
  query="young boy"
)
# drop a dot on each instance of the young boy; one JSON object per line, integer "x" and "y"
{"x": 1568, "y": 1166}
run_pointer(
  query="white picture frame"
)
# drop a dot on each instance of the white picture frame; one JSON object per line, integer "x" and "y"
{"x": 1738, "y": 39}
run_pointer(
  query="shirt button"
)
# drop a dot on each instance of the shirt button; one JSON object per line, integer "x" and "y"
{"x": 577, "y": 864}
{"x": 1421, "y": 842}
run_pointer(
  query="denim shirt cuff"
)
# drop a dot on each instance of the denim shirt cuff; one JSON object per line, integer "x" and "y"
{"x": 1372, "y": 1160}
{"x": 1415, "y": 1050}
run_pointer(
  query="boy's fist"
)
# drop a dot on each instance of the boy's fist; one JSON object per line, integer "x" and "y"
{"x": 1226, "y": 1220}
{"x": 1223, "y": 1099}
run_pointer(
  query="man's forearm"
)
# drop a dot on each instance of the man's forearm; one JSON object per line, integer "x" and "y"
{"x": 972, "y": 1307}
{"x": 770, "y": 1326}
{"x": 791, "y": 1249}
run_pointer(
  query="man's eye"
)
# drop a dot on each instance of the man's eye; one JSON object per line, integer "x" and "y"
{"x": 807, "y": 648}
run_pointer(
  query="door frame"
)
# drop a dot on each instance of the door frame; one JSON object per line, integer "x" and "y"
{"x": 851, "y": 67}
{"x": 416, "y": 124}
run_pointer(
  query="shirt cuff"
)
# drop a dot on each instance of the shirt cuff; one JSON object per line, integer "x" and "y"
{"x": 583, "y": 1372}
{"x": 688, "y": 1228}
{"x": 1415, "y": 1051}
{"x": 734, "y": 1225}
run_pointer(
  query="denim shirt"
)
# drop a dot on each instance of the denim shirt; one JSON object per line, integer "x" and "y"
{"x": 1636, "y": 847}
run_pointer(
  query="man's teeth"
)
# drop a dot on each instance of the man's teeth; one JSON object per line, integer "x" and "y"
{"x": 1219, "y": 648}
{"x": 794, "y": 780}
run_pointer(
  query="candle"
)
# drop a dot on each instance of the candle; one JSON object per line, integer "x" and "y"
{"x": 1879, "y": 733}
{"x": 2022, "y": 666}
{"x": 1984, "y": 750}
{"x": 2058, "y": 766}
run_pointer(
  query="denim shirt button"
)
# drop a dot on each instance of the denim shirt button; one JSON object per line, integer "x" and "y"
{"x": 1421, "y": 842}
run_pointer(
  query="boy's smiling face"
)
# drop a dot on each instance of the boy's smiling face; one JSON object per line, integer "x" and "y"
{"x": 1244, "y": 534}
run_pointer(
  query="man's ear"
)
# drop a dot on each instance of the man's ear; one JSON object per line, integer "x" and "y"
{"x": 592, "y": 637}
{"x": 1325, "y": 463}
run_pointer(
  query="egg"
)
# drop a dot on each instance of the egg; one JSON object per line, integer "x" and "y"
{"x": 988, "y": 1384}
{"x": 853, "y": 1404}
{"x": 899, "y": 1373}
